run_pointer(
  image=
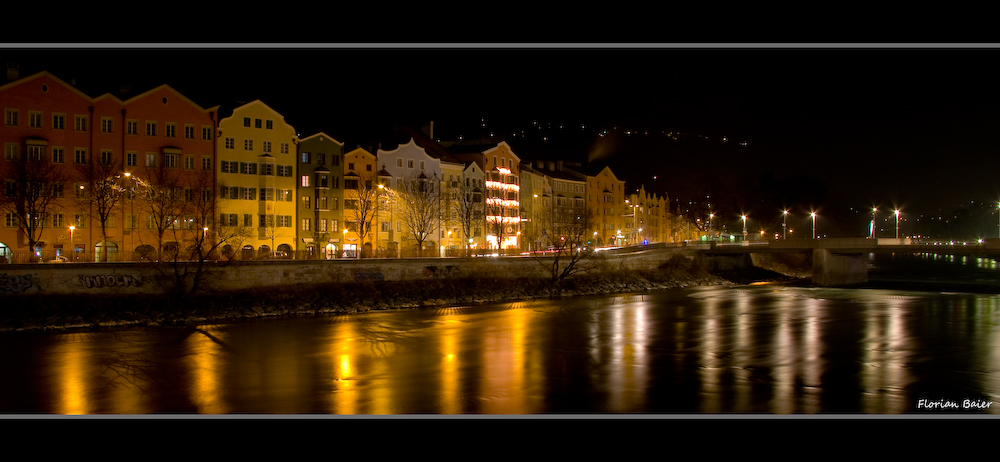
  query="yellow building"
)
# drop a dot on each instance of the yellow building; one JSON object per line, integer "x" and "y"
{"x": 257, "y": 181}
{"x": 606, "y": 202}
{"x": 647, "y": 218}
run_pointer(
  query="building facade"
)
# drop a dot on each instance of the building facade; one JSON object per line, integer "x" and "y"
{"x": 320, "y": 195}
{"x": 257, "y": 182}
{"x": 123, "y": 180}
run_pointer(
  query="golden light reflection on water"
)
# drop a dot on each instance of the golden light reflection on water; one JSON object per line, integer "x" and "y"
{"x": 745, "y": 350}
{"x": 73, "y": 366}
{"x": 203, "y": 366}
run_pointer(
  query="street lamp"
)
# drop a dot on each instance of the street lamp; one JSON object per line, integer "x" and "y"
{"x": 744, "y": 217}
{"x": 897, "y": 223}
{"x": 813, "y": 214}
{"x": 711, "y": 218}
{"x": 784, "y": 224}
{"x": 874, "y": 223}
{"x": 71, "y": 246}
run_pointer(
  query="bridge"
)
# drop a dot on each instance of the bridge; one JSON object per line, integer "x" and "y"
{"x": 838, "y": 262}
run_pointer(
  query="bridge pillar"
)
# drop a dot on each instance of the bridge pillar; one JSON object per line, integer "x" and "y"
{"x": 837, "y": 269}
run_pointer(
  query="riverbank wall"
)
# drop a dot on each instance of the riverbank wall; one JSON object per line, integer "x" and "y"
{"x": 162, "y": 278}
{"x": 358, "y": 289}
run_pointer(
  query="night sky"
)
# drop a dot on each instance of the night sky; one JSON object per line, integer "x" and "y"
{"x": 867, "y": 125}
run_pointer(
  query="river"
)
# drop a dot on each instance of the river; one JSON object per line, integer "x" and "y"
{"x": 763, "y": 349}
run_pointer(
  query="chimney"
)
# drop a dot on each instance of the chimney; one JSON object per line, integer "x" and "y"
{"x": 12, "y": 72}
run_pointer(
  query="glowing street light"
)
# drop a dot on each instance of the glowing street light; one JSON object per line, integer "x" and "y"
{"x": 744, "y": 217}
{"x": 784, "y": 224}
{"x": 813, "y": 215}
{"x": 71, "y": 246}
{"x": 874, "y": 223}
{"x": 897, "y": 223}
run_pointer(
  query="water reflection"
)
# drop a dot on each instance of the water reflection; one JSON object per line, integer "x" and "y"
{"x": 753, "y": 349}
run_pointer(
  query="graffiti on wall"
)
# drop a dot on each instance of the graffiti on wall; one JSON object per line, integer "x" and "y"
{"x": 110, "y": 280}
{"x": 368, "y": 274}
{"x": 15, "y": 284}
{"x": 435, "y": 272}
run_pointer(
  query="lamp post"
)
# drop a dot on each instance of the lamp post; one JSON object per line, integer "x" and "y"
{"x": 897, "y": 223}
{"x": 874, "y": 230}
{"x": 784, "y": 224}
{"x": 813, "y": 214}
{"x": 711, "y": 218}
{"x": 744, "y": 217}
{"x": 71, "y": 246}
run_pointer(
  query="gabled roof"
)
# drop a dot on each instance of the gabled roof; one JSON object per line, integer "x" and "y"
{"x": 41, "y": 75}
{"x": 322, "y": 134}
{"x": 400, "y": 135}
{"x": 171, "y": 90}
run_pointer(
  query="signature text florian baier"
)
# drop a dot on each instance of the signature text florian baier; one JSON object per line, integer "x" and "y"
{"x": 947, "y": 404}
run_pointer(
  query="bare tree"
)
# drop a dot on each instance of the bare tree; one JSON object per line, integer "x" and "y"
{"x": 469, "y": 210}
{"x": 33, "y": 185}
{"x": 362, "y": 200}
{"x": 566, "y": 233}
{"x": 421, "y": 207}
{"x": 103, "y": 194}
{"x": 161, "y": 199}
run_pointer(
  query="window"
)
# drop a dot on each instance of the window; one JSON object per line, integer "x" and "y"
{"x": 320, "y": 159}
{"x": 246, "y": 121}
{"x": 333, "y": 225}
{"x": 230, "y": 143}
{"x": 150, "y": 128}
{"x": 58, "y": 121}
{"x": 267, "y": 194}
{"x": 305, "y": 201}
{"x": 11, "y": 151}
{"x": 36, "y": 152}
{"x": 248, "y": 145}
{"x": 284, "y": 148}
{"x": 399, "y": 162}
{"x": 80, "y": 191}
{"x": 305, "y": 181}
{"x": 206, "y": 163}
{"x": 322, "y": 225}
{"x": 58, "y": 190}
{"x": 11, "y": 117}
{"x": 228, "y": 167}
{"x": 269, "y": 124}
{"x": 170, "y": 160}
{"x": 132, "y": 127}
{"x": 369, "y": 166}
{"x": 284, "y": 221}
{"x": 34, "y": 119}
{"x": 350, "y": 204}
{"x": 107, "y": 125}
{"x": 284, "y": 195}
{"x": 409, "y": 164}
{"x": 189, "y": 162}
{"x": 189, "y": 132}
{"x": 421, "y": 166}
{"x": 248, "y": 168}
{"x": 10, "y": 220}
{"x": 249, "y": 194}
{"x": 80, "y": 123}
{"x": 58, "y": 155}
{"x": 10, "y": 188}
{"x": 150, "y": 159}
{"x": 107, "y": 157}
{"x": 305, "y": 157}
{"x": 80, "y": 220}
{"x": 206, "y": 133}
{"x": 266, "y": 221}
{"x": 247, "y": 220}
{"x": 350, "y": 166}
{"x": 256, "y": 123}
{"x": 80, "y": 156}
{"x": 306, "y": 224}
{"x": 266, "y": 146}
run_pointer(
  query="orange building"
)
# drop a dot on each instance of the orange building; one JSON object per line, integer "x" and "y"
{"x": 90, "y": 156}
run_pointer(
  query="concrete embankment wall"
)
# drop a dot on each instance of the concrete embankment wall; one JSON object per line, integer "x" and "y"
{"x": 152, "y": 279}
